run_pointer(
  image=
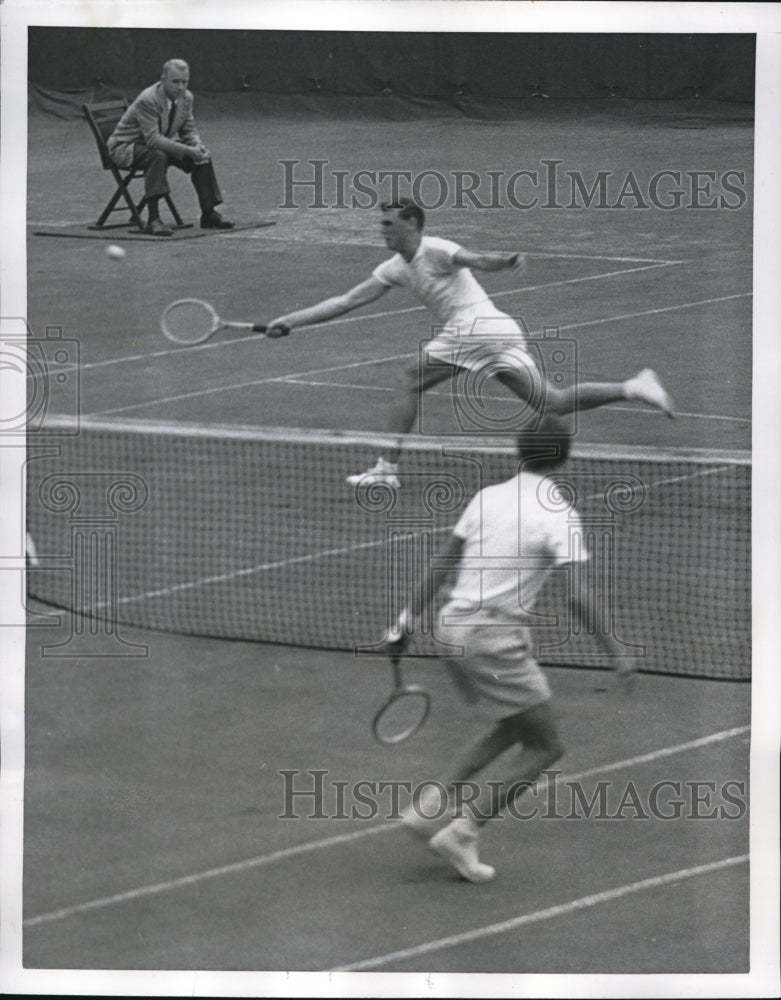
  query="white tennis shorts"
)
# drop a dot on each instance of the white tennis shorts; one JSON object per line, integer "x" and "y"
{"x": 497, "y": 673}
{"x": 488, "y": 342}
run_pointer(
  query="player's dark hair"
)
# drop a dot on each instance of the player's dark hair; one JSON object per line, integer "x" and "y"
{"x": 545, "y": 446}
{"x": 408, "y": 209}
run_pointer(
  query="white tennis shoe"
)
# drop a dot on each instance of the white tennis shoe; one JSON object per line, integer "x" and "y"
{"x": 457, "y": 844}
{"x": 383, "y": 472}
{"x": 646, "y": 387}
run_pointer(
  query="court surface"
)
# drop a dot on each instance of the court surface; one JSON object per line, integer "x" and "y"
{"x": 153, "y": 785}
{"x": 155, "y": 838}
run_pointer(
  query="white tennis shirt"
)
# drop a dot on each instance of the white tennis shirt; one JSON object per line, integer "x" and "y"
{"x": 514, "y": 534}
{"x": 451, "y": 293}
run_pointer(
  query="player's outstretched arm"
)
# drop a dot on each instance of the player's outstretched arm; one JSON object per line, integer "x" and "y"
{"x": 477, "y": 261}
{"x": 338, "y": 305}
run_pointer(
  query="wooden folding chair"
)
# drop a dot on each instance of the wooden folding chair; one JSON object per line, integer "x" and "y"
{"x": 102, "y": 120}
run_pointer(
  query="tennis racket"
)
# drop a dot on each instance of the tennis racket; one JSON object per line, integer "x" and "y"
{"x": 404, "y": 713}
{"x": 193, "y": 321}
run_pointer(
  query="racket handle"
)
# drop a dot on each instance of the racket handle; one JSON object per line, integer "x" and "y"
{"x": 396, "y": 667}
{"x": 281, "y": 330}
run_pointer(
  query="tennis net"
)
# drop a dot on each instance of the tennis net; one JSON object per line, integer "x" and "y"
{"x": 252, "y": 533}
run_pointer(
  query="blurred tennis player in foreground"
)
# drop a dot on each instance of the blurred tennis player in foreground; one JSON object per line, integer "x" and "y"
{"x": 439, "y": 273}
{"x": 505, "y": 544}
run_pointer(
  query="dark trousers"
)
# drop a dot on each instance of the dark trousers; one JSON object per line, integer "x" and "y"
{"x": 155, "y": 164}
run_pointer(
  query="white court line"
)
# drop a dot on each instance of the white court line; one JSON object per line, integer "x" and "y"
{"x": 374, "y": 361}
{"x": 254, "y": 382}
{"x": 224, "y": 341}
{"x": 586, "y": 256}
{"x": 292, "y": 380}
{"x": 646, "y": 758}
{"x": 254, "y": 234}
{"x": 575, "y": 281}
{"x": 563, "y": 909}
{"x": 247, "y": 571}
{"x": 316, "y": 845}
{"x": 704, "y": 472}
{"x": 654, "y": 312}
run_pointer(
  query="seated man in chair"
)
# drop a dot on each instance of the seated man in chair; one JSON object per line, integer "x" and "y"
{"x": 158, "y": 131}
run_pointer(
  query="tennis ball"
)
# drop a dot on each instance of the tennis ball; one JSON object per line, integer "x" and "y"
{"x": 115, "y": 252}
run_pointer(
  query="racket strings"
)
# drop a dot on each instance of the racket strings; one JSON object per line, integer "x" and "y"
{"x": 189, "y": 321}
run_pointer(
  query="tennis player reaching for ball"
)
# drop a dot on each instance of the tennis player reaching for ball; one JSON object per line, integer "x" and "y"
{"x": 469, "y": 331}
{"x": 508, "y": 539}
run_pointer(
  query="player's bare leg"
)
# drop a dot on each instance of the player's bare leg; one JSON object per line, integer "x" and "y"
{"x": 457, "y": 843}
{"x": 403, "y": 415}
{"x": 535, "y": 731}
{"x": 430, "y": 814}
{"x": 645, "y": 387}
{"x": 527, "y": 383}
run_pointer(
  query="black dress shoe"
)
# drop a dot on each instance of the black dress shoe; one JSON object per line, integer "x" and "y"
{"x": 213, "y": 220}
{"x": 156, "y": 228}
